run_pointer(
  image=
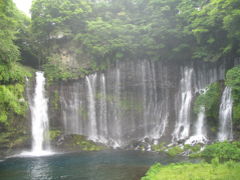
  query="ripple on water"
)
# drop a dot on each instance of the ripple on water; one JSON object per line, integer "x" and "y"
{"x": 105, "y": 165}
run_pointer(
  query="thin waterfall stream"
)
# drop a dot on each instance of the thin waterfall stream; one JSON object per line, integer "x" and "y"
{"x": 200, "y": 135}
{"x": 225, "y": 115}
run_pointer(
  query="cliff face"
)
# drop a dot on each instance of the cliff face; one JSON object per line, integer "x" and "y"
{"x": 131, "y": 105}
{"x": 135, "y": 101}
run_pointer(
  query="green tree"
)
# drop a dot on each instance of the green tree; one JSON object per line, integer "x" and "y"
{"x": 8, "y": 50}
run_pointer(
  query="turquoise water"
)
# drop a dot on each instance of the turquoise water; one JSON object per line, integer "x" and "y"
{"x": 105, "y": 165}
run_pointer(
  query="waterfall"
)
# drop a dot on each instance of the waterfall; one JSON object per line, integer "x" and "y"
{"x": 225, "y": 116}
{"x": 182, "y": 126}
{"x": 159, "y": 105}
{"x": 92, "y": 125}
{"x": 39, "y": 116}
{"x": 200, "y": 134}
{"x": 117, "y": 104}
{"x": 144, "y": 95}
{"x": 138, "y": 101}
{"x": 103, "y": 126}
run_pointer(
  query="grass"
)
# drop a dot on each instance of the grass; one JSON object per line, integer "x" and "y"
{"x": 187, "y": 171}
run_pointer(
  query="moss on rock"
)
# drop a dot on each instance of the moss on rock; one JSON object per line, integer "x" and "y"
{"x": 76, "y": 142}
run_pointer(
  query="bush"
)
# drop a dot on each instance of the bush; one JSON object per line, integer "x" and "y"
{"x": 210, "y": 100}
{"x": 15, "y": 73}
{"x": 159, "y": 147}
{"x": 222, "y": 151}
{"x": 12, "y": 102}
{"x": 233, "y": 81}
{"x": 152, "y": 172}
{"x": 174, "y": 151}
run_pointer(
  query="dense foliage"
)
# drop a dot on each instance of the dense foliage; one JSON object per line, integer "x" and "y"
{"x": 12, "y": 74}
{"x": 105, "y": 31}
{"x": 222, "y": 151}
{"x": 13, "y": 106}
{"x": 210, "y": 100}
{"x": 12, "y": 101}
{"x": 233, "y": 81}
{"x": 224, "y": 157}
{"x": 8, "y": 50}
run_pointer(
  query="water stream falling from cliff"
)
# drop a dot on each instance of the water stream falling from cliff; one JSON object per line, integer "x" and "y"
{"x": 200, "y": 134}
{"x": 92, "y": 126}
{"x": 225, "y": 116}
{"x": 117, "y": 111}
{"x": 182, "y": 127}
{"x": 39, "y": 116}
{"x": 103, "y": 125}
{"x": 138, "y": 101}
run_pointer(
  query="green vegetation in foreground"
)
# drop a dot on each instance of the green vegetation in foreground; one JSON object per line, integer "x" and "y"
{"x": 227, "y": 152}
{"x": 222, "y": 150}
{"x": 188, "y": 171}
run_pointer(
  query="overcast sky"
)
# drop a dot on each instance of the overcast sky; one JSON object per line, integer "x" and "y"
{"x": 24, "y": 5}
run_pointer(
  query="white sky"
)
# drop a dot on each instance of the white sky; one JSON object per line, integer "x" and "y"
{"x": 24, "y": 5}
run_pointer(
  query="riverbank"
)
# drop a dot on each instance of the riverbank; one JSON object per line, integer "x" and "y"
{"x": 188, "y": 171}
{"x": 220, "y": 160}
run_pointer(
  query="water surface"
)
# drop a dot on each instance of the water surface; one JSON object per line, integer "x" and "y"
{"x": 105, "y": 165}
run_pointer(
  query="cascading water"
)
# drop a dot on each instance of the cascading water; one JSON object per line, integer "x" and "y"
{"x": 103, "y": 125}
{"x": 182, "y": 127}
{"x": 92, "y": 126}
{"x": 121, "y": 105}
{"x": 116, "y": 111}
{"x": 39, "y": 116}
{"x": 203, "y": 77}
{"x": 159, "y": 110}
{"x": 225, "y": 116}
{"x": 137, "y": 101}
{"x": 200, "y": 134}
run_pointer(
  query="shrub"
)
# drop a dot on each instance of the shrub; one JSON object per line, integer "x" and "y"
{"x": 12, "y": 102}
{"x": 233, "y": 81}
{"x": 174, "y": 151}
{"x": 223, "y": 151}
{"x": 210, "y": 100}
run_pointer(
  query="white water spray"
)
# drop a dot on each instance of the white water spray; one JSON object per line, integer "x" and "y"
{"x": 39, "y": 115}
{"x": 182, "y": 126}
{"x": 103, "y": 125}
{"x": 200, "y": 135}
{"x": 92, "y": 126}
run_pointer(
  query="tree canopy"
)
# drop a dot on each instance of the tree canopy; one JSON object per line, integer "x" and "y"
{"x": 154, "y": 29}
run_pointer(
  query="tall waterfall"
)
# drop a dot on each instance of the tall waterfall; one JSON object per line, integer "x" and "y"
{"x": 182, "y": 127}
{"x": 103, "y": 124}
{"x": 117, "y": 111}
{"x": 39, "y": 116}
{"x": 92, "y": 126}
{"x": 225, "y": 116}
